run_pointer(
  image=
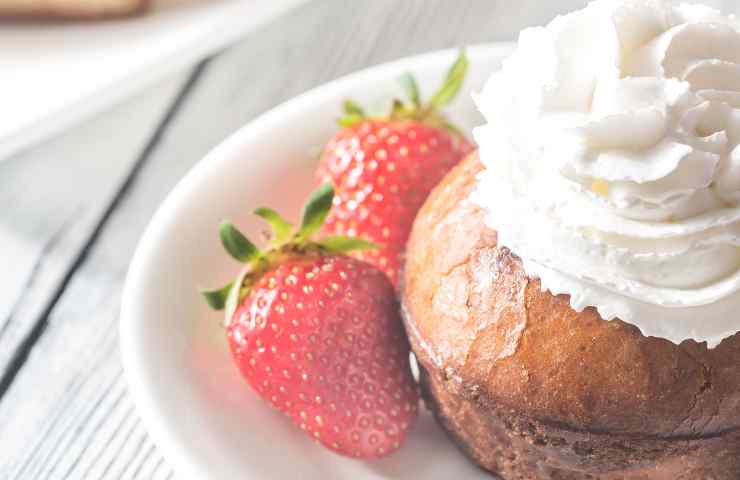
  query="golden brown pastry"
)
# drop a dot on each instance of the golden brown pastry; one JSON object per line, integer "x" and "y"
{"x": 71, "y": 8}
{"x": 531, "y": 389}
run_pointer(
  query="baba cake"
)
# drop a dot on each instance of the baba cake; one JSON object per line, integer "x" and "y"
{"x": 571, "y": 291}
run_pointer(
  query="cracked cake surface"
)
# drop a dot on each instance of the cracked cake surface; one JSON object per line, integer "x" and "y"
{"x": 532, "y": 389}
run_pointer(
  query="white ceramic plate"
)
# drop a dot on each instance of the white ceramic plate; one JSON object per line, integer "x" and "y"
{"x": 55, "y": 74}
{"x": 201, "y": 414}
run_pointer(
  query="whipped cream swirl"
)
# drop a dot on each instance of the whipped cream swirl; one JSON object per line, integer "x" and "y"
{"x": 613, "y": 166}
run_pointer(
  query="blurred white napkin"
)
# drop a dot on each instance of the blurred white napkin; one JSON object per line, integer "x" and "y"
{"x": 53, "y": 75}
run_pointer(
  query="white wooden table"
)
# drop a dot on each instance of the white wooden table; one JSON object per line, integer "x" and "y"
{"x": 72, "y": 209}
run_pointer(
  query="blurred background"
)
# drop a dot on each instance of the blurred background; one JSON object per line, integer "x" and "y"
{"x": 98, "y": 121}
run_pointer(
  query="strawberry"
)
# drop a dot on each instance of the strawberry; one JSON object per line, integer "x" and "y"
{"x": 318, "y": 334}
{"x": 383, "y": 168}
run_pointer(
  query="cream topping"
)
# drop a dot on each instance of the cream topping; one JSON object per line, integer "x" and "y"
{"x": 613, "y": 166}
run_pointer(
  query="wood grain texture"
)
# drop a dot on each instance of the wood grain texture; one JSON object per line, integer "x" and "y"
{"x": 73, "y": 209}
{"x": 58, "y": 195}
{"x": 54, "y": 198}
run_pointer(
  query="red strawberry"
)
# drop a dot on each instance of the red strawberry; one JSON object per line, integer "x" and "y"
{"x": 383, "y": 168}
{"x": 318, "y": 335}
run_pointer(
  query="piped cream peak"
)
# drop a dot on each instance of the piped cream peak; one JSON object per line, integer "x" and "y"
{"x": 613, "y": 166}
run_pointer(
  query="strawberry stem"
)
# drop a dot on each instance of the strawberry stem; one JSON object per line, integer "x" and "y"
{"x": 285, "y": 242}
{"x": 415, "y": 109}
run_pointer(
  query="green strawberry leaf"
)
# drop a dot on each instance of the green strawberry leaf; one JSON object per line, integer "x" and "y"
{"x": 350, "y": 120}
{"x": 408, "y": 83}
{"x": 452, "y": 83}
{"x": 234, "y": 296}
{"x": 353, "y": 114}
{"x": 285, "y": 242}
{"x": 216, "y": 299}
{"x": 351, "y": 108}
{"x": 238, "y": 246}
{"x": 281, "y": 228}
{"x": 316, "y": 210}
{"x": 344, "y": 244}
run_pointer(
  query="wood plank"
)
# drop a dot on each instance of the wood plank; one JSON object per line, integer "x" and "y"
{"x": 56, "y": 196}
{"x": 67, "y": 415}
{"x": 53, "y": 198}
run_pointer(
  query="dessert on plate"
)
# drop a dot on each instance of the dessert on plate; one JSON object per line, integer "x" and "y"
{"x": 313, "y": 320}
{"x": 572, "y": 290}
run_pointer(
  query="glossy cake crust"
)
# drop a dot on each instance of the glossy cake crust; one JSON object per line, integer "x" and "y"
{"x": 531, "y": 389}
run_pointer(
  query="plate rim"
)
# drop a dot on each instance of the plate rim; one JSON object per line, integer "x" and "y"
{"x": 110, "y": 93}
{"x": 154, "y": 418}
